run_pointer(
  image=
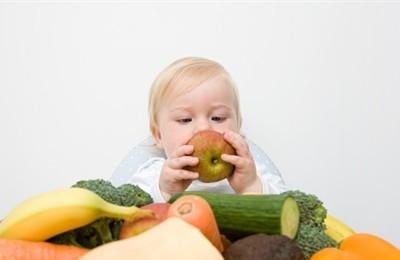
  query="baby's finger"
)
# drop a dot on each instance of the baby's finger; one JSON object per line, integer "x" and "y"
{"x": 238, "y": 161}
{"x": 238, "y": 142}
{"x": 182, "y": 150}
{"x": 180, "y": 175}
{"x": 180, "y": 162}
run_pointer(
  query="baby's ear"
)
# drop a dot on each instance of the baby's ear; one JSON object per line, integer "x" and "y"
{"x": 157, "y": 137}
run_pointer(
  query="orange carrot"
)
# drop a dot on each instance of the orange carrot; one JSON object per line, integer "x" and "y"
{"x": 196, "y": 211}
{"x": 22, "y": 250}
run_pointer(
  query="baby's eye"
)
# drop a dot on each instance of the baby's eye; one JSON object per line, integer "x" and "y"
{"x": 218, "y": 118}
{"x": 184, "y": 120}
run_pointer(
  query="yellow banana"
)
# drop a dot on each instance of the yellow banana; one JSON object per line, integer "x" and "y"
{"x": 336, "y": 229}
{"x": 54, "y": 212}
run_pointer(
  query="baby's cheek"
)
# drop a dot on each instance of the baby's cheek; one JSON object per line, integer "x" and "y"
{"x": 233, "y": 125}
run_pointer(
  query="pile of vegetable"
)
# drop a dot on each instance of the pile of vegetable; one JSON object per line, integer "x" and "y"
{"x": 103, "y": 230}
{"x": 95, "y": 220}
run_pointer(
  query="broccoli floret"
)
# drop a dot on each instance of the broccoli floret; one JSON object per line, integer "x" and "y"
{"x": 103, "y": 230}
{"x": 311, "y": 235}
{"x": 133, "y": 195}
{"x": 311, "y": 239}
{"x": 101, "y": 187}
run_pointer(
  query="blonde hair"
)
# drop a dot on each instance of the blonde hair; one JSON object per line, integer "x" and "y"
{"x": 182, "y": 76}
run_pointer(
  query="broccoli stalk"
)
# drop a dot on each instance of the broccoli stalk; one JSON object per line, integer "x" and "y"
{"x": 68, "y": 238}
{"x": 103, "y": 230}
{"x": 311, "y": 235}
{"x": 96, "y": 233}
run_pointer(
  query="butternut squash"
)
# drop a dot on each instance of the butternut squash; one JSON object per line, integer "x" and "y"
{"x": 171, "y": 239}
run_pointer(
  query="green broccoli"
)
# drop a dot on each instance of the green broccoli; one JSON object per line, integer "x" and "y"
{"x": 94, "y": 234}
{"x": 103, "y": 188}
{"x": 133, "y": 195}
{"x": 311, "y": 239}
{"x": 67, "y": 238}
{"x": 311, "y": 235}
{"x": 103, "y": 230}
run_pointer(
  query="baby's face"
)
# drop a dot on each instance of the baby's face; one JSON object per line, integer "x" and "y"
{"x": 207, "y": 106}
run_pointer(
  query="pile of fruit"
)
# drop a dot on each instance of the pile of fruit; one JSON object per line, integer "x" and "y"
{"x": 95, "y": 220}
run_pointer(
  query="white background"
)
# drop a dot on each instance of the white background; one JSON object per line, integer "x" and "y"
{"x": 319, "y": 86}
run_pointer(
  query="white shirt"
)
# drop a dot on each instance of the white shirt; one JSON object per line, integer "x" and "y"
{"x": 143, "y": 166}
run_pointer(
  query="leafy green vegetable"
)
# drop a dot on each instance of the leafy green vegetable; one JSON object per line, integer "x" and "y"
{"x": 311, "y": 235}
{"x": 311, "y": 239}
{"x": 103, "y": 188}
{"x": 103, "y": 230}
{"x": 133, "y": 195}
{"x": 99, "y": 232}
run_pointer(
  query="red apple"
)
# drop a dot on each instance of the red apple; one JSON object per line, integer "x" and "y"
{"x": 208, "y": 147}
{"x": 137, "y": 226}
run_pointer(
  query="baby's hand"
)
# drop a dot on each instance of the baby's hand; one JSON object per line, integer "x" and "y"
{"x": 244, "y": 178}
{"x": 173, "y": 177}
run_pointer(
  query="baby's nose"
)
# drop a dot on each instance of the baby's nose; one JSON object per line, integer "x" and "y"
{"x": 202, "y": 125}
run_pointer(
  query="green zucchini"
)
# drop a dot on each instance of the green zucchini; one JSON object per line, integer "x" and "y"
{"x": 242, "y": 215}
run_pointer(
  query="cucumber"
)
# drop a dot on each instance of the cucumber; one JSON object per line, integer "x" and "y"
{"x": 242, "y": 215}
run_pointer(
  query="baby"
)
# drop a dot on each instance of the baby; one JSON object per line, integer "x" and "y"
{"x": 190, "y": 95}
